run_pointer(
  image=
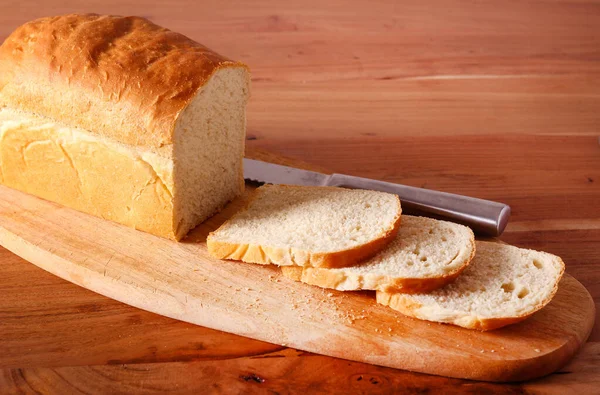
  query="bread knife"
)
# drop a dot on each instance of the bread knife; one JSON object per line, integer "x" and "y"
{"x": 485, "y": 217}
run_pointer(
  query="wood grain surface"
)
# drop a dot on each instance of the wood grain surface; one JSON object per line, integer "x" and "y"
{"x": 181, "y": 281}
{"x": 498, "y": 100}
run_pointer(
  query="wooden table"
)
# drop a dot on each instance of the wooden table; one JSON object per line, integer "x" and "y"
{"x": 498, "y": 100}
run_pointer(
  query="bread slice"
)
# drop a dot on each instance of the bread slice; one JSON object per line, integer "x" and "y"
{"x": 308, "y": 226}
{"x": 503, "y": 285}
{"x": 425, "y": 255}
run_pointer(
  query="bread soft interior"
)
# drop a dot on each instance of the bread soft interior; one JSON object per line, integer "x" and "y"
{"x": 209, "y": 147}
{"x": 315, "y": 219}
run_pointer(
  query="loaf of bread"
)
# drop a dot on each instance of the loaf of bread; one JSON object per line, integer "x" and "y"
{"x": 308, "y": 226}
{"x": 122, "y": 119}
{"x": 425, "y": 255}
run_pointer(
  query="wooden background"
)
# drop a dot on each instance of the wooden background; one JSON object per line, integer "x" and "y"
{"x": 495, "y": 99}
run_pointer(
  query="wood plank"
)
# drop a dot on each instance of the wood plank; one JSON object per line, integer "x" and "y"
{"x": 285, "y": 371}
{"x": 493, "y": 107}
{"x": 303, "y": 40}
{"x": 540, "y": 177}
{"x": 48, "y": 322}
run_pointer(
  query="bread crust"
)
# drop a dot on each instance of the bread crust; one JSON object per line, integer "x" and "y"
{"x": 122, "y": 77}
{"x": 351, "y": 281}
{"x": 70, "y": 166}
{"x": 265, "y": 255}
{"x": 406, "y": 305}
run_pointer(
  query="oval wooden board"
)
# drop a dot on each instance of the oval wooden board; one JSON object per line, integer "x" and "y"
{"x": 181, "y": 281}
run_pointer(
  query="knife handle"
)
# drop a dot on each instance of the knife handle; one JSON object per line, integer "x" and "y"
{"x": 485, "y": 217}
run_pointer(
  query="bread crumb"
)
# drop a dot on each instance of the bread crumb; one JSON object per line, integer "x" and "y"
{"x": 492, "y": 350}
{"x": 537, "y": 350}
{"x": 482, "y": 351}
{"x": 329, "y": 294}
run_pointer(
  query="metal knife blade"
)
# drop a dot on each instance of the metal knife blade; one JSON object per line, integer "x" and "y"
{"x": 256, "y": 170}
{"x": 483, "y": 216}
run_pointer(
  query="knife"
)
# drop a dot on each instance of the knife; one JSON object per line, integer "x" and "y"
{"x": 485, "y": 217}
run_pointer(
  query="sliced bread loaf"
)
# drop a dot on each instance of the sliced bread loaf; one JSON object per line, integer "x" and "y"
{"x": 308, "y": 226}
{"x": 425, "y": 255}
{"x": 122, "y": 119}
{"x": 503, "y": 285}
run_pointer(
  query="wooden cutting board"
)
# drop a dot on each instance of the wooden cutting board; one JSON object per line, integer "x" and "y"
{"x": 181, "y": 281}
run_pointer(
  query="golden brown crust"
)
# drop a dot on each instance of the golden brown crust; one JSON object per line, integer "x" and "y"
{"x": 122, "y": 77}
{"x": 410, "y": 307}
{"x": 292, "y": 272}
{"x": 266, "y": 255}
{"x": 324, "y": 278}
{"x": 72, "y": 167}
